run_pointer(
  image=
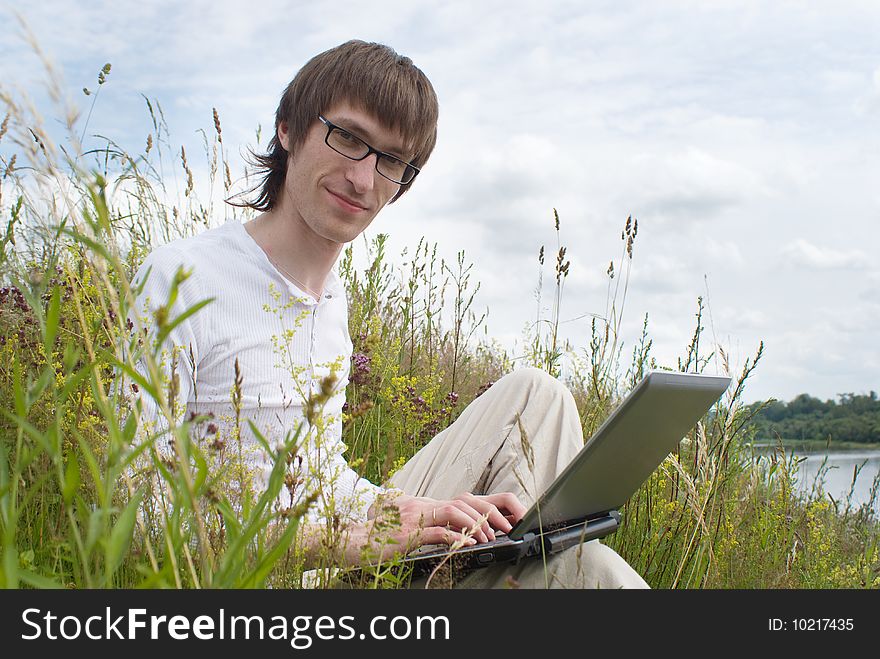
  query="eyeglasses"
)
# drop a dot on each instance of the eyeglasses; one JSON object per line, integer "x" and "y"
{"x": 353, "y": 147}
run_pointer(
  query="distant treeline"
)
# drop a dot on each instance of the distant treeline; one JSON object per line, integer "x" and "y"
{"x": 851, "y": 418}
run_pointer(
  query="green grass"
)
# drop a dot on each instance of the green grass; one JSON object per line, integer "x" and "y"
{"x": 86, "y": 500}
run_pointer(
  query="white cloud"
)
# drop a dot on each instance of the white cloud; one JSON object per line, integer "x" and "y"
{"x": 726, "y": 252}
{"x": 871, "y": 293}
{"x": 691, "y": 185}
{"x": 738, "y": 320}
{"x": 803, "y": 253}
{"x": 869, "y": 102}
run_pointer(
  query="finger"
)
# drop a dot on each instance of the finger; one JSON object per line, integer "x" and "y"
{"x": 463, "y": 516}
{"x": 494, "y": 516}
{"x": 478, "y": 516}
{"x": 498, "y": 520}
{"x": 508, "y": 503}
{"x": 459, "y": 515}
{"x": 436, "y": 535}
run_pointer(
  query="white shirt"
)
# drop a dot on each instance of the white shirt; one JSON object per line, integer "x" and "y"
{"x": 286, "y": 343}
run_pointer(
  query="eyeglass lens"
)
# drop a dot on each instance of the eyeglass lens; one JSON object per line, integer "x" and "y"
{"x": 355, "y": 148}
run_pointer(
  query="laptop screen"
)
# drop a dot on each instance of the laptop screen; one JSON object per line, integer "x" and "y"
{"x": 626, "y": 449}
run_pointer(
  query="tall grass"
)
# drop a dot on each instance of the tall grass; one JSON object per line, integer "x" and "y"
{"x": 87, "y": 499}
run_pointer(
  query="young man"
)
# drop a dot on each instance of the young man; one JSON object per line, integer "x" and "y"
{"x": 352, "y": 131}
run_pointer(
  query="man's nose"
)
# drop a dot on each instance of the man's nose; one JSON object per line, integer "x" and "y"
{"x": 362, "y": 173}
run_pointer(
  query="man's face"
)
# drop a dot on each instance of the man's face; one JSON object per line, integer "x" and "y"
{"x": 335, "y": 197}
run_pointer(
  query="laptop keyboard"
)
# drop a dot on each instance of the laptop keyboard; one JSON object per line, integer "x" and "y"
{"x": 430, "y": 550}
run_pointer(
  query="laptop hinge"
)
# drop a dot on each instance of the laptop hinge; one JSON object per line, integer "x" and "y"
{"x": 530, "y": 545}
{"x": 580, "y": 533}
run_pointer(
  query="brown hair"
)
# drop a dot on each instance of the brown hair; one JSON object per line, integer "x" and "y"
{"x": 370, "y": 76}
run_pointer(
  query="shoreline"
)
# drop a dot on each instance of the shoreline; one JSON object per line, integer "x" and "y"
{"x": 816, "y": 445}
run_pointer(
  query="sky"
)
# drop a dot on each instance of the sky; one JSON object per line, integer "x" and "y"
{"x": 743, "y": 136}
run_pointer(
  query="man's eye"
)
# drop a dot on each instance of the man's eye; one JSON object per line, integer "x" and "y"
{"x": 346, "y": 136}
{"x": 393, "y": 163}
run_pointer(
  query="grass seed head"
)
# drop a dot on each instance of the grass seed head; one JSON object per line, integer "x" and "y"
{"x": 217, "y": 125}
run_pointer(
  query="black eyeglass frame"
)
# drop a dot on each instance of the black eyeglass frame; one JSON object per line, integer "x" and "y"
{"x": 370, "y": 150}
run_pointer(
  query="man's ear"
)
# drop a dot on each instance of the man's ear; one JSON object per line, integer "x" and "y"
{"x": 283, "y": 134}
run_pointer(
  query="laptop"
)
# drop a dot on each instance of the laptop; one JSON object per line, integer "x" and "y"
{"x": 583, "y": 501}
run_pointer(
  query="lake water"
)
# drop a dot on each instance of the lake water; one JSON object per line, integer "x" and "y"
{"x": 837, "y": 475}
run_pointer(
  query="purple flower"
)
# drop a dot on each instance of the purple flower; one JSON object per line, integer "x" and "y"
{"x": 360, "y": 368}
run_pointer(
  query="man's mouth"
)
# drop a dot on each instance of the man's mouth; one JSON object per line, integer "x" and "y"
{"x": 347, "y": 203}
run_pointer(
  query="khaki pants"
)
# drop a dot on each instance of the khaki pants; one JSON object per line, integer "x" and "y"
{"x": 483, "y": 452}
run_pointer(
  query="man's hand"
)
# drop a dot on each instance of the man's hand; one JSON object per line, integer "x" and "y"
{"x": 467, "y": 516}
{"x": 402, "y": 523}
